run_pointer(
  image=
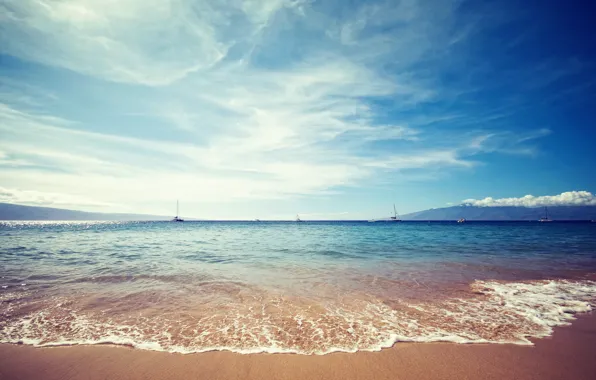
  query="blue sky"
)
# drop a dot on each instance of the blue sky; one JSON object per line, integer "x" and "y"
{"x": 268, "y": 108}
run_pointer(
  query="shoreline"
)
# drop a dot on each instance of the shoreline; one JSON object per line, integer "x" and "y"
{"x": 568, "y": 353}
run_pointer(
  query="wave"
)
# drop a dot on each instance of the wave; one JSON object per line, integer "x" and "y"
{"x": 492, "y": 312}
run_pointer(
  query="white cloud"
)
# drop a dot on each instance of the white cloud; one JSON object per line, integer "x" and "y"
{"x": 569, "y": 198}
{"x": 152, "y": 42}
{"x": 121, "y": 170}
{"x": 260, "y": 99}
{"x": 507, "y": 142}
{"x": 434, "y": 158}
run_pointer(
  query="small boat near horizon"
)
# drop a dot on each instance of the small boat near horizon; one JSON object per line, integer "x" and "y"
{"x": 461, "y": 220}
{"x": 176, "y": 218}
{"x": 395, "y": 217}
{"x": 545, "y": 218}
{"x": 298, "y": 220}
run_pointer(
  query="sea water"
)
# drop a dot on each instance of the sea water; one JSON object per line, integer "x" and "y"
{"x": 307, "y": 288}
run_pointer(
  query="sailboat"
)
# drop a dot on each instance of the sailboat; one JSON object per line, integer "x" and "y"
{"x": 395, "y": 217}
{"x": 298, "y": 218}
{"x": 176, "y": 218}
{"x": 545, "y": 217}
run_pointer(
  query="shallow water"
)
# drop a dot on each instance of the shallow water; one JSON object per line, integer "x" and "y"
{"x": 313, "y": 287}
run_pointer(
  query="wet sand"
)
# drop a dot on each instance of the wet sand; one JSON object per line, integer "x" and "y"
{"x": 569, "y": 354}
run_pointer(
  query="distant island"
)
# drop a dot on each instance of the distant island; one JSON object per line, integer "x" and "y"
{"x": 10, "y": 211}
{"x": 504, "y": 213}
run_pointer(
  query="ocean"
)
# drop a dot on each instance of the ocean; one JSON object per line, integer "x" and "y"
{"x": 286, "y": 287}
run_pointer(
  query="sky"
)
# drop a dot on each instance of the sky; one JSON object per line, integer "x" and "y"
{"x": 271, "y": 108}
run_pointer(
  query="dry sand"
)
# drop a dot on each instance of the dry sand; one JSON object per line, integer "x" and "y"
{"x": 569, "y": 354}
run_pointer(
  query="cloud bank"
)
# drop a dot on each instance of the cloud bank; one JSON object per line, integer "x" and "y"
{"x": 568, "y": 198}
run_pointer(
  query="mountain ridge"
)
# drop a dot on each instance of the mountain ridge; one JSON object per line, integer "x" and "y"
{"x": 10, "y": 211}
{"x": 504, "y": 213}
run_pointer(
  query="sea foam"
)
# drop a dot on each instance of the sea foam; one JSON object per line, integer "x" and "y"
{"x": 492, "y": 312}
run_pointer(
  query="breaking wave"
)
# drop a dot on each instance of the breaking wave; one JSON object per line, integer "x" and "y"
{"x": 490, "y": 312}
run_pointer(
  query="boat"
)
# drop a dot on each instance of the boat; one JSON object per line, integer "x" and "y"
{"x": 298, "y": 218}
{"x": 545, "y": 217}
{"x": 176, "y": 218}
{"x": 395, "y": 217}
{"x": 461, "y": 220}
{"x": 257, "y": 220}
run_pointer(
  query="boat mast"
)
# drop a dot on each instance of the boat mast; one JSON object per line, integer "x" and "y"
{"x": 545, "y": 212}
{"x": 394, "y": 211}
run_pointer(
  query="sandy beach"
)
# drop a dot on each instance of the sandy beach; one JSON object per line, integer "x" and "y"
{"x": 568, "y": 354}
{"x": 297, "y": 190}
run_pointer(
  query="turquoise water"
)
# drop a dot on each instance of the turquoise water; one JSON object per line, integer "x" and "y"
{"x": 312, "y": 287}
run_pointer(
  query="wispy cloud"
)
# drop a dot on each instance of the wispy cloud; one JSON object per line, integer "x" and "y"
{"x": 24, "y": 94}
{"x": 151, "y": 42}
{"x": 507, "y": 142}
{"x": 568, "y": 198}
{"x": 236, "y": 100}
{"x": 58, "y": 157}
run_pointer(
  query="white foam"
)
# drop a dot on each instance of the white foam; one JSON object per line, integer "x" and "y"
{"x": 500, "y": 313}
{"x": 545, "y": 303}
